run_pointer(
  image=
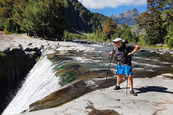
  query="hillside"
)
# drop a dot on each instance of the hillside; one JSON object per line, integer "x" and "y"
{"x": 126, "y": 17}
{"x": 81, "y": 19}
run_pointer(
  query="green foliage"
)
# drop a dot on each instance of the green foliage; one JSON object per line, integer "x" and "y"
{"x": 142, "y": 41}
{"x": 170, "y": 42}
{"x": 96, "y": 36}
{"x": 127, "y": 35}
{"x": 2, "y": 54}
{"x": 123, "y": 31}
{"x": 72, "y": 36}
{"x": 11, "y": 26}
{"x": 6, "y": 31}
{"x": 6, "y": 11}
{"x": 41, "y": 18}
{"x": 1, "y": 26}
{"x": 48, "y": 18}
{"x": 169, "y": 37}
{"x": 28, "y": 18}
{"x": 170, "y": 31}
{"x": 156, "y": 20}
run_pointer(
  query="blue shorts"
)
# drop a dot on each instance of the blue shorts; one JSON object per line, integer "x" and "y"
{"x": 124, "y": 69}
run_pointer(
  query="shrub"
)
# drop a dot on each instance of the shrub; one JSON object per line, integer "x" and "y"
{"x": 142, "y": 41}
{"x": 170, "y": 42}
{"x": 72, "y": 36}
{"x": 2, "y": 54}
{"x": 6, "y": 31}
{"x": 11, "y": 26}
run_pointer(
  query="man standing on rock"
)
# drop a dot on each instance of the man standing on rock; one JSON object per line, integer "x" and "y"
{"x": 123, "y": 54}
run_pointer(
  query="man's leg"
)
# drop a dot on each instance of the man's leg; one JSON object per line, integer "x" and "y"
{"x": 119, "y": 78}
{"x": 130, "y": 81}
{"x": 117, "y": 86}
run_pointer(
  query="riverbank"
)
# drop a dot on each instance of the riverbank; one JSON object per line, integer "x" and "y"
{"x": 16, "y": 41}
{"x": 159, "y": 49}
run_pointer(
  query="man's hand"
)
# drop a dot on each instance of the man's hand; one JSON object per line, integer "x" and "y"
{"x": 111, "y": 53}
{"x": 135, "y": 50}
{"x": 130, "y": 53}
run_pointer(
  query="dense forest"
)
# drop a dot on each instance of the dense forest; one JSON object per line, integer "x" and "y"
{"x": 69, "y": 19}
{"x": 43, "y": 18}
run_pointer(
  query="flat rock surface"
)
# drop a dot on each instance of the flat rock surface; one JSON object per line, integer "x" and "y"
{"x": 155, "y": 97}
{"x": 12, "y": 41}
{"x": 16, "y": 41}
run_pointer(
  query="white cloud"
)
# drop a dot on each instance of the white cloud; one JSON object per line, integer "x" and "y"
{"x": 99, "y": 4}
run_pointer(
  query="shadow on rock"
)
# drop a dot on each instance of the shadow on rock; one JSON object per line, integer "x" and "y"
{"x": 153, "y": 89}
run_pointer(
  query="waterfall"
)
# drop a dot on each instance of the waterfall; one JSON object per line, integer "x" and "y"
{"x": 40, "y": 82}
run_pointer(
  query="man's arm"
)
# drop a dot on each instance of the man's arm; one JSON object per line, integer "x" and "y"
{"x": 135, "y": 50}
{"x": 113, "y": 51}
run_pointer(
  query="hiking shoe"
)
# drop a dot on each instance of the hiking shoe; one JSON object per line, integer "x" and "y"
{"x": 117, "y": 87}
{"x": 133, "y": 93}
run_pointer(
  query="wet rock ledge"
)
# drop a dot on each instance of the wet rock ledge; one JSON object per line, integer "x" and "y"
{"x": 18, "y": 54}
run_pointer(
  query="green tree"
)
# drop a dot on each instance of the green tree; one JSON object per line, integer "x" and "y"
{"x": 127, "y": 35}
{"x": 153, "y": 20}
{"x": 11, "y": 26}
{"x": 55, "y": 18}
{"x": 42, "y": 18}
{"x": 169, "y": 37}
{"x": 123, "y": 31}
{"x": 6, "y": 13}
{"x": 109, "y": 29}
{"x": 119, "y": 32}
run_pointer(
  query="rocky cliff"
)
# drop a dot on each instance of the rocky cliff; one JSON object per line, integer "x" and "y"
{"x": 126, "y": 17}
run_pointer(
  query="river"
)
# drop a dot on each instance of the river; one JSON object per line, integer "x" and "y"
{"x": 58, "y": 70}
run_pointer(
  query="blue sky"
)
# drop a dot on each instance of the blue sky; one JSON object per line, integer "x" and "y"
{"x": 114, "y": 7}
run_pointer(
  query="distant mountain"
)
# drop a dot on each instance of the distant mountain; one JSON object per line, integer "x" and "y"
{"x": 126, "y": 17}
{"x": 81, "y": 19}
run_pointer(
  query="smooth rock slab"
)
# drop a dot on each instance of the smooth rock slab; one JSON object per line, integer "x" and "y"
{"x": 154, "y": 97}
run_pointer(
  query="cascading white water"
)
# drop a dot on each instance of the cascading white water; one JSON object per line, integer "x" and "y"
{"x": 40, "y": 82}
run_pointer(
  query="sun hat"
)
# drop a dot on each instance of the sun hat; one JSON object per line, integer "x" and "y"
{"x": 117, "y": 40}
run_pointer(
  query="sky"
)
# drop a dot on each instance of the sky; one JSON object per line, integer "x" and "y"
{"x": 114, "y": 7}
